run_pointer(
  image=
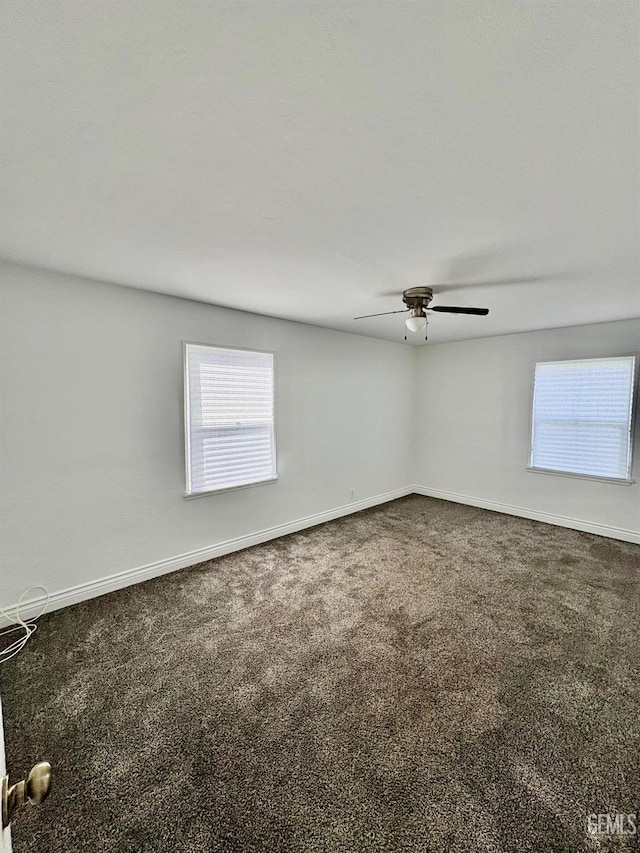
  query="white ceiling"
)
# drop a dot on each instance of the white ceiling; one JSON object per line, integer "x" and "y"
{"x": 301, "y": 159}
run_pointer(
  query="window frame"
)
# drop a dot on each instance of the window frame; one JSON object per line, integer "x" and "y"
{"x": 635, "y": 397}
{"x": 189, "y": 495}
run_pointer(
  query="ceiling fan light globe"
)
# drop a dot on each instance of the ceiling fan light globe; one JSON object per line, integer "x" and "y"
{"x": 416, "y": 324}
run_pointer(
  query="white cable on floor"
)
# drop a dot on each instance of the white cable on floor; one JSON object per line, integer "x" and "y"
{"x": 28, "y": 626}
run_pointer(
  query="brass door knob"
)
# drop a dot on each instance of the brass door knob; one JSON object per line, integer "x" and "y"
{"x": 35, "y": 788}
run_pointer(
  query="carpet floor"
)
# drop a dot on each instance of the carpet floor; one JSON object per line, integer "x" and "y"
{"x": 420, "y": 676}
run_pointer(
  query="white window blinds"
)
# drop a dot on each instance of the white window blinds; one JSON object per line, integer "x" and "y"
{"x": 229, "y": 401}
{"x": 582, "y": 412}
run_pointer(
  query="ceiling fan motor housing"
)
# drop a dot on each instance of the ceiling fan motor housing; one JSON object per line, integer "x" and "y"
{"x": 417, "y": 299}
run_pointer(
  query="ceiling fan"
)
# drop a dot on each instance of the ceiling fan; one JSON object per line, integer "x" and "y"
{"x": 417, "y": 300}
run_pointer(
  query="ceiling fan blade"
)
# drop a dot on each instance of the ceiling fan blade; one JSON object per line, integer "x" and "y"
{"x": 452, "y": 309}
{"x": 364, "y": 316}
{"x": 446, "y": 286}
{"x": 442, "y": 287}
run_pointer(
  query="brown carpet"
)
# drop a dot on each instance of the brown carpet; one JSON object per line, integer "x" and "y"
{"x": 347, "y": 688}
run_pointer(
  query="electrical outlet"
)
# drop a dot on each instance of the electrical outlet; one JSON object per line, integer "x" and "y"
{"x": 352, "y": 494}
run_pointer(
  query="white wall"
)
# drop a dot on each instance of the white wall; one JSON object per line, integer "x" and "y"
{"x": 474, "y": 414}
{"x": 92, "y": 470}
{"x": 92, "y": 430}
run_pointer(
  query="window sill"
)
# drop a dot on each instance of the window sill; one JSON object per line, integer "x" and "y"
{"x": 581, "y": 476}
{"x": 188, "y": 496}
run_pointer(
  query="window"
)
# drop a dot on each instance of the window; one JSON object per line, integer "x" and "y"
{"x": 229, "y": 418}
{"x": 582, "y": 417}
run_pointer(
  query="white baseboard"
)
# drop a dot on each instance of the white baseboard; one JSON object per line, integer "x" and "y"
{"x": 91, "y": 589}
{"x": 535, "y": 515}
